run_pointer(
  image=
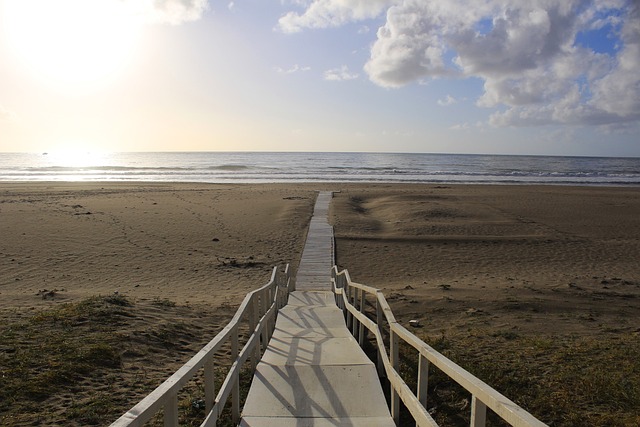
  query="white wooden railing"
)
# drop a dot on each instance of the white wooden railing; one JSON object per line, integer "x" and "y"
{"x": 258, "y": 309}
{"x": 352, "y": 297}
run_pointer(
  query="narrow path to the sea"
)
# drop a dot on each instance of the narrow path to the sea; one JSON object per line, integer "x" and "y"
{"x": 313, "y": 372}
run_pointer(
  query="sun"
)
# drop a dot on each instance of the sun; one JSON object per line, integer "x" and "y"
{"x": 75, "y": 45}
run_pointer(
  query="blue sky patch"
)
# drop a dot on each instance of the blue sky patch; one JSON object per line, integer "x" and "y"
{"x": 602, "y": 40}
{"x": 484, "y": 26}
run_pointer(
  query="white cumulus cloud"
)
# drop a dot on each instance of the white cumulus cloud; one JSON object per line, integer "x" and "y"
{"x": 294, "y": 69}
{"x": 448, "y": 100}
{"x": 331, "y": 13}
{"x": 340, "y": 74}
{"x": 529, "y": 55}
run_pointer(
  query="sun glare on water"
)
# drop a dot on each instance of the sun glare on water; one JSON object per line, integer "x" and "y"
{"x": 75, "y": 45}
{"x": 77, "y": 158}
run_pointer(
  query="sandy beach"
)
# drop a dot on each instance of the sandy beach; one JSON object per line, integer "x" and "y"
{"x": 525, "y": 260}
{"x": 194, "y": 244}
{"x": 523, "y": 257}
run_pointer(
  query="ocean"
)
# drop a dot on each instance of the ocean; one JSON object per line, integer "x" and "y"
{"x": 261, "y": 167}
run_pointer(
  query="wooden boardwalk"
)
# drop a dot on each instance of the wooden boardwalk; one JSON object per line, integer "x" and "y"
{"x": 314, "y": 272}
{"x": 313, "y": 372}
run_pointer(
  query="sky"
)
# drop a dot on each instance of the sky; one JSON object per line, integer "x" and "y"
{"x": 550, "y": 77}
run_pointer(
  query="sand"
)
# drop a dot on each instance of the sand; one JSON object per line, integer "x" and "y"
{"x": 197, "y": 244}
{"x": 529, "y": 259}
{"x": 554, "y": 249}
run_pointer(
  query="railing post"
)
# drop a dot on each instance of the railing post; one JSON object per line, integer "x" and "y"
{"x": 478, "y": 413}
{"x": 275, "y": 294}
{"x": 423, "y": 380}
{"x": 253, "y": 322}
{"x": 287, "y": 283}
{"x": 340, "y": 285}
{"x": 209, "y": 384}
{"x": 235, "y": 393}
{"x": 271, "y": 324}
{"x": 394, "y": 343}
{"x": 264, "y": 339}
{"x": 275, "y": 298}
{"x": 284, "y": 293}
{"x": 347, "y": 288}
{"x": 362, "y": 329}
{"x": 355, "y": 325}
{"x": 352, "y": 298}
{"x": 379, "y": 316}
{"x": 291, "y": 285}
{"x": 256, "y": 352}
{"x": 171, "y": 411}
{"x": 345, "y": 295}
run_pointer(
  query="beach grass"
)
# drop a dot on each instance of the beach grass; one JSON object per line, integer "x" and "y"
{"x": 567, "y": 381}
{"x": 54, "y": 350}
{"x": 89, "y": 361}
{"x": 60, "y": 354}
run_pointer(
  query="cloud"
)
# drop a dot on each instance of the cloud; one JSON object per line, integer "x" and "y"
{"x": 618, "y": 92}
{"x": 461, "y": 126}
{"x": 331, "y": 13}
{"x": 466, "y": 126}
{"x": 294, "y": 69}
{"x": 449, "y": 100}
{"x": 529, "y": 56}
{"x": 340, "y": 74}
{"x": 172, "y": 12}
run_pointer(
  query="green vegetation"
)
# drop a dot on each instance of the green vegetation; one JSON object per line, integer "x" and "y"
{"x": 86, "y": 363}
{"x": 55, "y": 350}
{"x": 563, "y": 381}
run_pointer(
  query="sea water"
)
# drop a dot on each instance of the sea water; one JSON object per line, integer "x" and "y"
{"x": 261, "y": 167}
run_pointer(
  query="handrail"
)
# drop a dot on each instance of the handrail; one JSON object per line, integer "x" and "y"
{"x": 261, "y": 319}
{"x": 351, "y": 298}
